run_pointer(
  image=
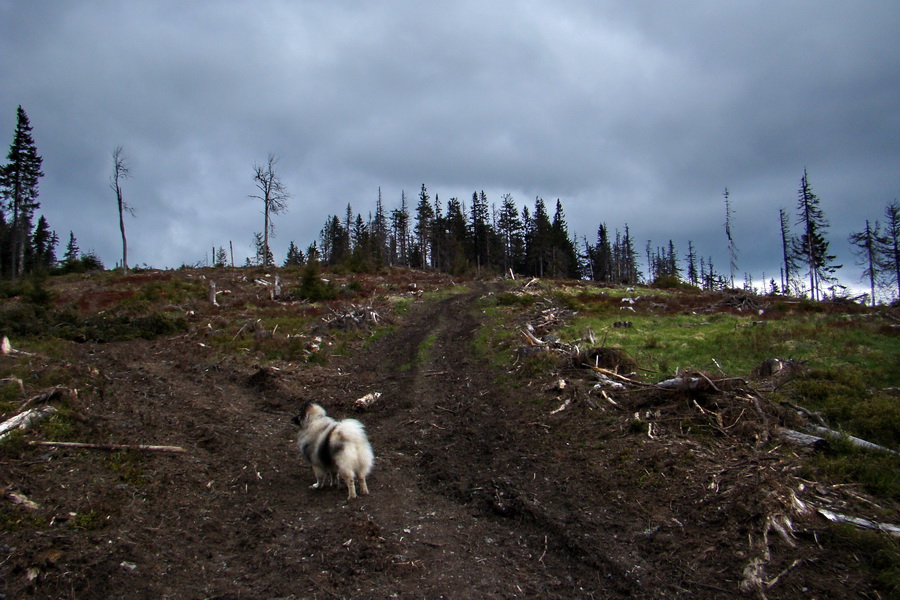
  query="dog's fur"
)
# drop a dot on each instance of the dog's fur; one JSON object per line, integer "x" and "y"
{"x": 332, "y": 446}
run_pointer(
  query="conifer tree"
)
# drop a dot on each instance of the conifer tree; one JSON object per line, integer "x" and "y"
{"x": 294, "y": 256}
{"x": 19, "y": 189}
{"x": 72, "y": 251}
{"x": 479, "y": 230}
{"x": 423, "y": 226}
{"x": 538, "y": 238}
{"x": 693, "y": 275}
{"x": 563, "y": 257}
{"x": 865, "y": 247}
{"x": 812, "y": 245}
{"x": 510, "y": 230}
{"x": 889, "y": 247}
{"x": 603, "y": 255}
{"x": 400, "y": 233}
{"x": 43, "y": 247}
{"x": 380, "y": 232}
{"x": 221, "y": 257}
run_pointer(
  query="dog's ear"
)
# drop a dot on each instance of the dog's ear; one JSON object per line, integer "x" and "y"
{"x": 296, "y": 420}
{"x": 311, "y": 410}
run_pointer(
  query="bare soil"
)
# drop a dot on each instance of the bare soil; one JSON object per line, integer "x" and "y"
{"x": 479, "y": 490}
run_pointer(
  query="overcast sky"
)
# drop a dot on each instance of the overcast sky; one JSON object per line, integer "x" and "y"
{"x": 633, "y": 112}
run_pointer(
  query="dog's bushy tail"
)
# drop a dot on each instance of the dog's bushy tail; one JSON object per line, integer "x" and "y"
{"x": 351, "y": 435}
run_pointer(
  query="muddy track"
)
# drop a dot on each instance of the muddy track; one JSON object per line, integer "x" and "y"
{"x": 483, "y": 468}
{"x": 479, "y": 490}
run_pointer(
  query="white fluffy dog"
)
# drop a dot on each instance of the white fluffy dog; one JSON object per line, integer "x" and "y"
{"x": 332, "y": 446}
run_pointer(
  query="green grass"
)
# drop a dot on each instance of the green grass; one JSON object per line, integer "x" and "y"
{"x": 877, "y": 551}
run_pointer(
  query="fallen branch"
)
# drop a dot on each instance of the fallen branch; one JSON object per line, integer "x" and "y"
{"x": 44, "y": 397}
{"x": 562, "y": 407}
{"x": 534, "y": 341}
{"x": 112, "y": 447}
{"x": 609, "y": 373}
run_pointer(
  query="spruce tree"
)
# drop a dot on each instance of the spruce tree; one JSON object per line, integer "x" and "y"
{"x": 19, "y": 190}
{"x": 73, "y": 252}
{"x": 422, "y": 228}
{"x": 603, "y": 255}
{"x": 510, "y": 230}
{"x": 479, "y": 230}
{"x": 400, "y": 233}
{"x": 43, "y": 247}
{"x": 564, "y": 258}
{"x": 812, "y": 245}
{"x": 865, "y": 247}
{"x": 889, "y": 247}
{"x": 294, "y": 256}
{"x": 693, "y": 275}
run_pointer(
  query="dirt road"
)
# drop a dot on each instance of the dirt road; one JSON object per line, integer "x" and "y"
{"x": 478, "y": 490}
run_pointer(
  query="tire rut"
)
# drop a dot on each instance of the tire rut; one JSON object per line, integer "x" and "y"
{"x": 480, "y": 466}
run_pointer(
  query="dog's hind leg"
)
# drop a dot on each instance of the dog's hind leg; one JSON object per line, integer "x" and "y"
{"x": 323, "y": 477}
{"x": 349, "y": 478}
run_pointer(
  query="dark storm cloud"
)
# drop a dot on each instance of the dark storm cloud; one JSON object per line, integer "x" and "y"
{"x": 640, "y": 113}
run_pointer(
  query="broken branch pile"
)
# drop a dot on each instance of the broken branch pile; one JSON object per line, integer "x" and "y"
{"x": 352, "y": 317}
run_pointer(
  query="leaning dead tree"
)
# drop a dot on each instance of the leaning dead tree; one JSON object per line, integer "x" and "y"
{"x": 121, "y": 172}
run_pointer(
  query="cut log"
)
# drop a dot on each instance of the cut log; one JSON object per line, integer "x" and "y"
{"x": 367, "y": 400}
{"x": 854, "y": 441}
{"x": 834, "y": 517}
{"x": 111, "y": 447}
{"x": 22, "y": 500}
{"x": 691, "y": 384}
{"x": 25, "y": 420}
{"x": 803, "y": 439}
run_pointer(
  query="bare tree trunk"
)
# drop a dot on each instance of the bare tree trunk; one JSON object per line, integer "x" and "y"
{"x": 121, "y": 171}
{"x": 122, "y": 229}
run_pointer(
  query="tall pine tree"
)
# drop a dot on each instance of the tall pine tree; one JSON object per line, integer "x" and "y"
{"x": 889, "y": 247}
{"x": 812, "y": 244}
{"x": 19, "y": 190}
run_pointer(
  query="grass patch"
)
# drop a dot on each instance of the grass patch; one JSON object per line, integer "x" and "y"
{"x": 128, "y": 465}
{"x": 877, "y": 472}
{"x": 13, "y": 518}
{"x": 877, "y": 551}
{"x": 846, "y": 401}
{"x": 88, "y": 521}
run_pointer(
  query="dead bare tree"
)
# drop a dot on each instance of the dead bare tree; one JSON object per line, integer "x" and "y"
{"x": 121, "y": 172}
{"x": 273, "y": 195}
